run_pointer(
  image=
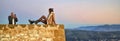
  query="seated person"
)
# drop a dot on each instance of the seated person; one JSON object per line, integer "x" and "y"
{"x": 46, "y": 20}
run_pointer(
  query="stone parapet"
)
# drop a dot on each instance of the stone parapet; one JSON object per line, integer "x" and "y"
{"x": 27, "y": 32}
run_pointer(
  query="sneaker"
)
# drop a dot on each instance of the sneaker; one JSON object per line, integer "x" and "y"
{"x": 36, "y": 22}
{"x": 31, "y": 22}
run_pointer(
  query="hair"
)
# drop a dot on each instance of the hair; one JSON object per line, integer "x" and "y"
{"x": 51, "y": 10}
{"x": 12, "y": 14}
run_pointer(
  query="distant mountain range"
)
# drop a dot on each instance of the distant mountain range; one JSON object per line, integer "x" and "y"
{"x": 94, "y": 33}
{"x": 115, "y": 27}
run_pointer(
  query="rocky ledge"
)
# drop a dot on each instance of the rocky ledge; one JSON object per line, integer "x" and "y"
{"x": 27, "y": 32}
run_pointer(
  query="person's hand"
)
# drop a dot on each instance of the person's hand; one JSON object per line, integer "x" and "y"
{"x": 15, "y": 17}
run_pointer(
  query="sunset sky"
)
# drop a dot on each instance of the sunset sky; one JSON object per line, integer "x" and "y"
{"x": 71, "y": 13}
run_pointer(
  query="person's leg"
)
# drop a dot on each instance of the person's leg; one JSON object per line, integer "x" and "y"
{"x": 44, "y": 21}
{"x": 41, "y": 19}
{"x": 53, "y": 19}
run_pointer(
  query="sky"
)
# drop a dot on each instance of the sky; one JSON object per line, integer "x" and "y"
{"x": 71, "y": 13}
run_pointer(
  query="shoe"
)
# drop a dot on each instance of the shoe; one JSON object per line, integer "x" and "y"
{"x": 36, "y": 22}
{"x": 31, "y": 22}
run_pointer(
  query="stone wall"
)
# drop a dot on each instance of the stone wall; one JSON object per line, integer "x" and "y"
{"x": 27, "y": 32}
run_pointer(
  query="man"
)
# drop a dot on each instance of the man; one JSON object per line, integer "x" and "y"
{"x": 46, "y": 20}
{"x": 12, "y": 18}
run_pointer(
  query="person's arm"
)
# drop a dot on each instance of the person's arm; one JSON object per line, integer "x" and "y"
{"x": 53, "y": 18}
{"x": 8, "y": 18}
{"x": 16, "y": 19}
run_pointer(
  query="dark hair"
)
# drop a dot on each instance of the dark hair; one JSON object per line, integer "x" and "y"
{"x": 50, "y": 9}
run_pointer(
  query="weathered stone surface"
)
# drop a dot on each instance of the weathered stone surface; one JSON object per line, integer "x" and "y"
{"x": 27, "y": 32}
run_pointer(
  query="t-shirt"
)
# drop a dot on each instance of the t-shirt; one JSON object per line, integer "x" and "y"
{"x": 13, "y": 21}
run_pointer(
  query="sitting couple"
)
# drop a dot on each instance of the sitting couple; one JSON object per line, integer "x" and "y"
{"x": 46, "y": 20}
{"x": 12, "y": 18}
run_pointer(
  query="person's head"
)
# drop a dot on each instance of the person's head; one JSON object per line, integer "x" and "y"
{"x": 12, "y": 14}
{"x": 51, "y": 10}
{"x": 15, "y": 15}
